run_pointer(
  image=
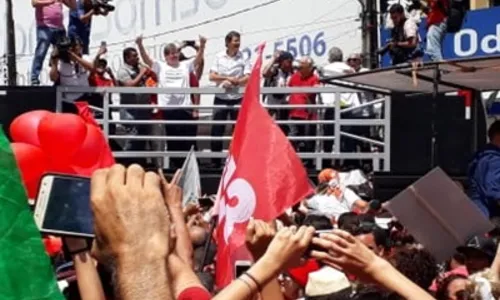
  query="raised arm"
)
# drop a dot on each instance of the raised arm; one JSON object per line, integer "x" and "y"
{"x": 142, "y": 51}
{"x": 200, "y": 52}
{"x": 82, "y": 62}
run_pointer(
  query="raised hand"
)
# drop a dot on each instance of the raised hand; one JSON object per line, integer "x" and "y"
{"x": 345, "y": 253}
{"x": 130, "y": 217}
{"x": 288, "y": 246}
{"x": 259, "y": 235}
{"x": 203, "y": 41}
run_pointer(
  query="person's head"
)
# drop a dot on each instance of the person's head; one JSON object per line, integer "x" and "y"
{"x": 456, "y": 261}
{"x": 306, "y": 66}
{"x": 335, "y": 55}
{"x": 416, "y": 264}
{"x": 479, "y": 253}
{"x": 354, "y": 61}
{"x": 171, "y": 53}
{"x": 397, "y": 12}
{"x": 101, "y": 66}
{"x": 285, "y": 61}
{"x": 131, "y": 57}
{"x": 233, "y": 41}
{"x": 373, "y": 237}
{"x": 494, "y": 133}
{"x": 319, "y": 222}
{"x": 198, "y": 235}
{"x": 348, "y": 221}
{"x": 76, "y": 45}
{"x": 451, "y": 287}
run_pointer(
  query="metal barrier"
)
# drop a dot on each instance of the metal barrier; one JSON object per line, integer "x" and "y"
{"x": 318, "y": 155}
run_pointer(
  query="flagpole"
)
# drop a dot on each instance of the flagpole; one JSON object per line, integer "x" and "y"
{"x": 213, "y": 224}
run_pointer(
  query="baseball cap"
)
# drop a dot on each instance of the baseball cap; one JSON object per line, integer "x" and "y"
{"x": 481, "y": 244}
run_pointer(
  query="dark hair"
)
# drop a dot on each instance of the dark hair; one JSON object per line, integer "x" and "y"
{"x": 397, "y": 8}
{"x": 319, "y": 222}
{"x": 127, "y": 52}
{"x": 443, "y": 284}
{"x": 348, "y": 221}
{"x": 416, "y": 264}
{"x": 494, "y": 130}
{"x": 102, "y": 62}
{"x": 380, "y": 236}
{"x": 231, "y": 34}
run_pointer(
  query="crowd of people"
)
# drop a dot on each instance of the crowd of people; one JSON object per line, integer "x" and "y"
{"x": 333, "y": 245}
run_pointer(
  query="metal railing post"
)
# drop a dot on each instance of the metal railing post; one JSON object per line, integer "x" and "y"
{"x": 387, "y": 134}
{"x": 337, "y": 117}
{"x": 105, "y": 114}
{"x": 59, "y": 99}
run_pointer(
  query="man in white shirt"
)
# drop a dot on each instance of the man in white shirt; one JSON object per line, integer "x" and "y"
{"x": 230, "y": 70}
{"x": 172, "y": 73}
{"x": 403, "y": 46}
{"x": 336, "y": 67}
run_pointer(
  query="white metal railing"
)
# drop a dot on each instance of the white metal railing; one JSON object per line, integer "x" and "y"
{"x": 319, "y": 138}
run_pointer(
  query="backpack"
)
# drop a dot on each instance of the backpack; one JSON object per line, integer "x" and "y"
{"x": 456, "y": 15}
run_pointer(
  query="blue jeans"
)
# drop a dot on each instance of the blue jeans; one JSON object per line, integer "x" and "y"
{"x": 45, "y": 36}
{"x": 435, "y": 37}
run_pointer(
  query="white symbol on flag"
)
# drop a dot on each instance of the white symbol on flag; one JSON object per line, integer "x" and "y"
{"x": 237, "y": 188}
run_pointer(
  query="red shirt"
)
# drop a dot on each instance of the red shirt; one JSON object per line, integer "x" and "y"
{"x": 97, "y": 80}
{"x": 437, "y": 13}
{"x": 194, "y": 82}
{"x": 296, "y": 80}
{"x": 194, "y": 293}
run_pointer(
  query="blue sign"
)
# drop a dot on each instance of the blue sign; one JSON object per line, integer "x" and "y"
{"x": 479, "y": 36}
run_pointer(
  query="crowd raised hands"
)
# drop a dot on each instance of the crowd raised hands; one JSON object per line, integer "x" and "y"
{"x": 142, "y": 236}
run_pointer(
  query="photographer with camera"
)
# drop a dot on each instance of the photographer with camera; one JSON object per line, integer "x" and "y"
{"x": 68, "y": 67}
{"x": 80, "y": 19}
{"x": 404, "y": 43}
{"x": 49, "y": 28}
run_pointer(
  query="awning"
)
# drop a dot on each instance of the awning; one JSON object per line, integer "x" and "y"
{"x": 479, "y": 73}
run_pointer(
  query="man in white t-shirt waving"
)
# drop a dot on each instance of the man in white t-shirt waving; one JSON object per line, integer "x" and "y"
{"x": 173, "y": 73}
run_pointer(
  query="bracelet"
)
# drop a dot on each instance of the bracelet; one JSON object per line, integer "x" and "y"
{"x": 247, "y": 284}
{"x": 259, "y": 287}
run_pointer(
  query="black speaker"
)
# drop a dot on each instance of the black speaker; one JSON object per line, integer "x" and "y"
{"x": 18, "y": 100}
{"x": 427, "y": 132}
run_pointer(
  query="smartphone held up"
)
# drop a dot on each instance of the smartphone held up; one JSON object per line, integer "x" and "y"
{"x": 63, "y": 206}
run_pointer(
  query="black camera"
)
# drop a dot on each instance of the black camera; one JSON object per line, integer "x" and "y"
{"x": 383, "y": 50}
{"x": 102, "y": 6}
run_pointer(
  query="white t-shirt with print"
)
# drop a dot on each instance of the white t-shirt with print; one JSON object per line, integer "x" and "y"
{"x": 330, "y": 206}
{"x": 173, "y": 77}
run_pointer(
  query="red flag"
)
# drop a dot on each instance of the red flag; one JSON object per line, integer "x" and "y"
{"x": 106, "y": 158}
{"x": 262, "y": 178}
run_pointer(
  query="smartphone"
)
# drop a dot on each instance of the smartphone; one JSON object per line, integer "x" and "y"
{"x": 205, "y": 203}
{"x": 241, "y": 266}
{"x": 104, "y": 44}
{"x": 190, "y": 43}
{"x": 63, "y": 206}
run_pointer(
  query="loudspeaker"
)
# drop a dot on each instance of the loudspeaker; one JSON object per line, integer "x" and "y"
{"x": 427, "y": 132}
{"x": 18, "y": 100}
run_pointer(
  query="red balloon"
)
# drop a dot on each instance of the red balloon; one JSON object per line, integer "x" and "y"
{"x": 90, "y": 152}
{"x": 24, "y": 128}
{"x": 32, "y": 163}
{"x": 53, "y": 245}
{"x": 61, "y": 135}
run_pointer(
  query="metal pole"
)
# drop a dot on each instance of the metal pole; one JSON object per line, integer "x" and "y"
{"x": 11, "y": 45}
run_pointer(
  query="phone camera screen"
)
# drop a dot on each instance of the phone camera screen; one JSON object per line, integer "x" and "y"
{"x": 68, "y": 207}
{"x": 240, "y": 270}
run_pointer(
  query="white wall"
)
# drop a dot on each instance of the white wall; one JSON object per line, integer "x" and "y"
{"x": 293, "y": 22}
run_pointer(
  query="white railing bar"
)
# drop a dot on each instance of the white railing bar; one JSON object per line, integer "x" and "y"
{"x": 350, "y": 122}
{"x": 95, "y": 108}
{"x": 362, "y": 139}
{"x": 203, "y": 90}
{"x": 204, "y": 154}
{"x": 371, "y": 103}
{"x": 282, "y": 106}
{"x": 204, "y": 138}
